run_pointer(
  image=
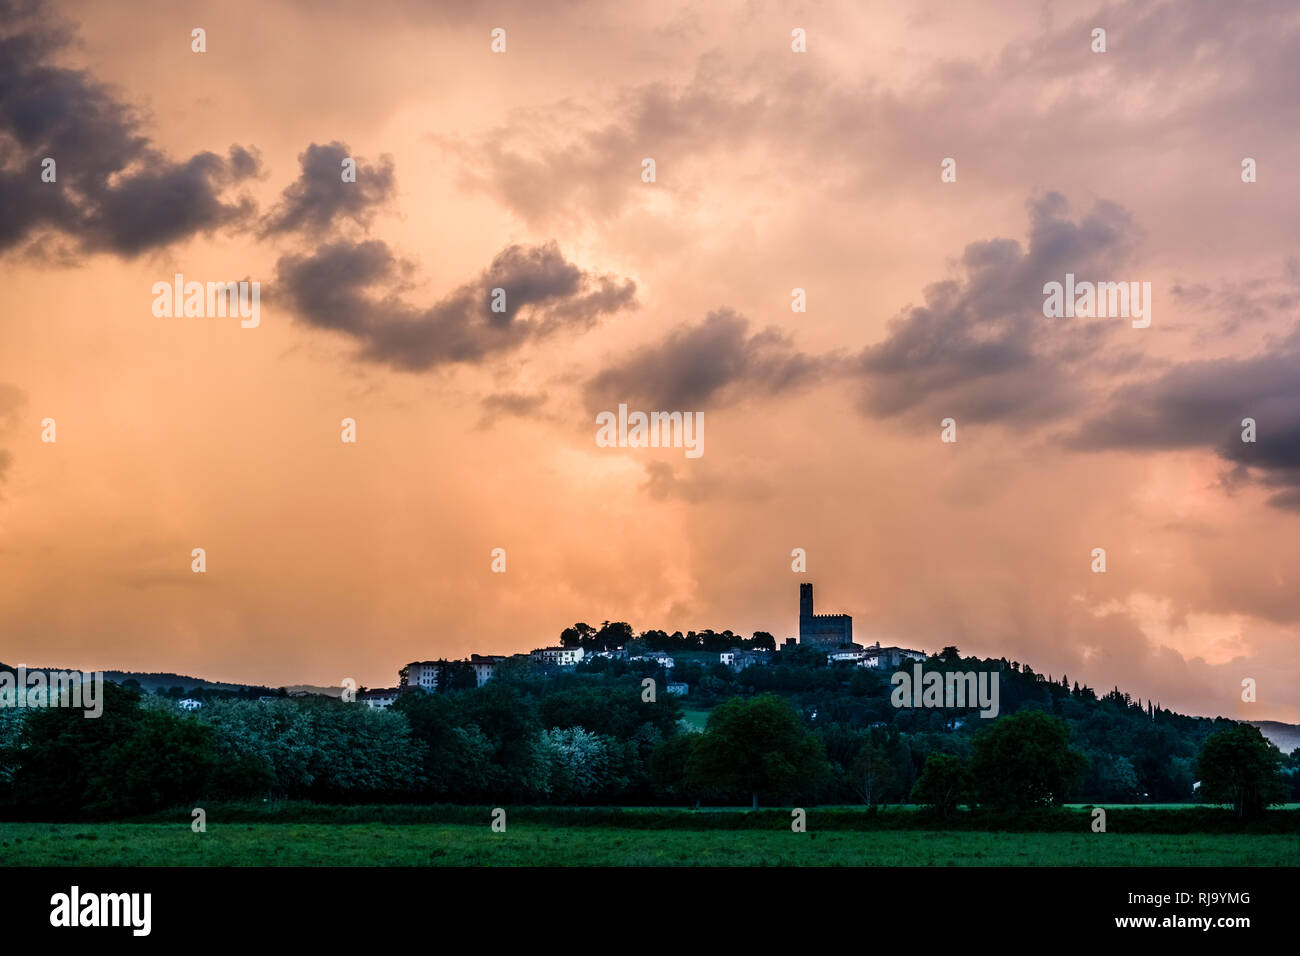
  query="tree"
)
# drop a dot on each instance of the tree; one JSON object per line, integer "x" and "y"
{"x": 611, "y": 636}
{"x": 508, "y": 720}
{"x": 1238, "y": 765}
{"x": 872, "y": 771}
{"x": 668, "y": 766}
{"x": 1025, "y": 760}
{"x": 579, "y": 763}
{"x": 579, "y": 635}
{"x": 457, "y": 675}
{"x": 125, "y": 761}
{"x": 943, "y": 784}
{"x": 457, "y": 759}
{"x": 317, "y": 746}
{"x": 1112, "y": 777}
{"x": 11, "y": 731}
{"x": 164, "y": 761}
{"x": 615, "y": 711}
{"x": 757, "y": 746}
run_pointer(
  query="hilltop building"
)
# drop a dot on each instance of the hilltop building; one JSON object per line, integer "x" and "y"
{"x": 738, "y": 659}
{"x": 380, "y": 698}
{"x": 429, "y": 675}
{"x": 422, "y": 674}
{"x": 822, "y": 630}
{"x": 559, "y": 656}
{"x": 485, "y": 666}
{"x": 891, "y": 656}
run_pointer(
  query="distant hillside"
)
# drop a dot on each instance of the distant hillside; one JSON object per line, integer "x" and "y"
{"x": 313, "y": 689}
{"x": 1286, "y": 737}
{"x": 150, "y": 681}
{"x": 155, "y": 681}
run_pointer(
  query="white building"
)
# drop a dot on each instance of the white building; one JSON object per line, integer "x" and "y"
{"x": 738, "y": 659}
{"x": 423, "y": 674}
{"x": 563, "y": 656}
{"x": 892, "y": 656}
{"x": 189, "y": 703}
{"x": 846, "y": 654}
{"x": 485, "y": 666}
{"x": 379, "y": 699}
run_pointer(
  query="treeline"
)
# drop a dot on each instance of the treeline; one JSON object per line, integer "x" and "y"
{"x": 502, "y": 742}
{"x": 793, "y": 732}
{"x": 1135, "y": 751}
{"x": 143, "y": 753}
{"x": 610, "y": 636}
{"x": 204, "y": 692}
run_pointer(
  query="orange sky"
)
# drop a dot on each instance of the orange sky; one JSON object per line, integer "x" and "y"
{"x": 775, "y": 170}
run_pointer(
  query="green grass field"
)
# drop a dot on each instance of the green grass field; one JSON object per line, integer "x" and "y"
{"x": 695, "y": 717}
{"x": 360, "y": 844}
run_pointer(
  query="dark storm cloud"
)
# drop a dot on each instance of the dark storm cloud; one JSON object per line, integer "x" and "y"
{"x": 352, "y": 288}
{"x": 114, "y": 191}
{"x": 1202, "y": 404}
{"x": 319, "y": 196}
{"x": 711, "y": 363}
{"x": 980, "y": 349}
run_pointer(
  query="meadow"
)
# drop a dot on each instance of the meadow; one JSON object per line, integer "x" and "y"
{"x": 528, "y": 844}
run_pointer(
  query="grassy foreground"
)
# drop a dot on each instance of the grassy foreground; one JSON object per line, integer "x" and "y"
{"x": 308, "y": 844}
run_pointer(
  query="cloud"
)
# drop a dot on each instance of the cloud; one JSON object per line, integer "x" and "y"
{"x": 1238, "y": 304}
{"x": 511, "y": 404}
{"x": 319, "y": 195}
{"x": 711, "y": 363}
{"x": 353, "y": 288}
{"x": 114, "y": 191}
{"x": 980, "y": 348}
{"x": 591, "y": 169}
{"x": 1201, "y": 404}
{"x": 1179, "y": 71}
{"x": 663, "y": 484}
{"x": 12, "y": 399}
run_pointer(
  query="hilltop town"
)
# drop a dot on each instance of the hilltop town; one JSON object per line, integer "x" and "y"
{"x": 831, "y": 633}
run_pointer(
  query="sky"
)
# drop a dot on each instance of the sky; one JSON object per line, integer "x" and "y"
{"x": 774, "y": 170}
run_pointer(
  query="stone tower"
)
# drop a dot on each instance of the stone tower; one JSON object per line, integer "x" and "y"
{"x": 822, "y": 630}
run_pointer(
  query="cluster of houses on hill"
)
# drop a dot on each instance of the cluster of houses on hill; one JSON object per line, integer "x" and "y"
{"x": 831, "y": 632}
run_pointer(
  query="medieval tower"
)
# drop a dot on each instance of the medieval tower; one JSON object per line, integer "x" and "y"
{"x": 822, "y": 630}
